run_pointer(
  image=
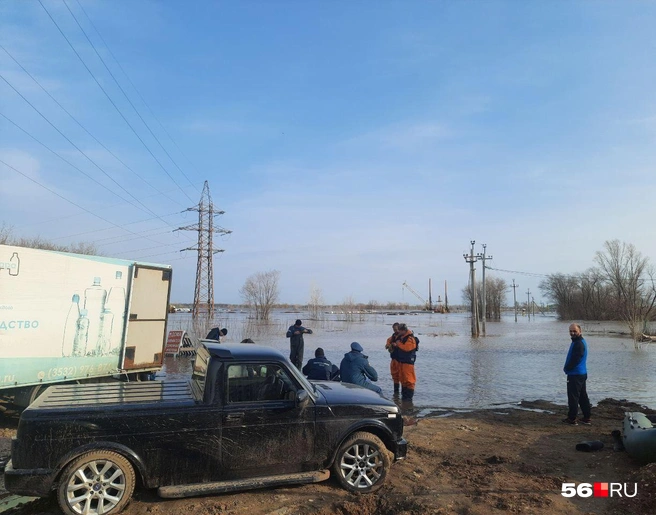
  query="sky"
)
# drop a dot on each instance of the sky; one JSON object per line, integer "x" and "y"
{"x": 353, "y": 146}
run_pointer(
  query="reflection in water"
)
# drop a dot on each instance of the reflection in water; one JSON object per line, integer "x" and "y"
{"x": 516, "y": 361}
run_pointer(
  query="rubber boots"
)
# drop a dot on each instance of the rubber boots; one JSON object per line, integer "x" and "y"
{"x": 396, "y": 388}
{"x": 407, "y": 394}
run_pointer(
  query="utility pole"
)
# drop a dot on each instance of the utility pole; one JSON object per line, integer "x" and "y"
{"x": 471, "y": 259}
{"x": 528, "y": 304}
{"x": 514, "y": 287}
{"x": 204, "y": 290}
{"x": 533, "y": 306}
{"x": 430, "y": 296}
{"x": 446, "y": 299}
{"x": 484, "y": 258}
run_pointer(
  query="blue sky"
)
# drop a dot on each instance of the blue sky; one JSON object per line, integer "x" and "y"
{"x": 352, "y": 145}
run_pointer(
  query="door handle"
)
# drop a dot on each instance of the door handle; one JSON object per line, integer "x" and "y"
{"x": 234, "y": 417}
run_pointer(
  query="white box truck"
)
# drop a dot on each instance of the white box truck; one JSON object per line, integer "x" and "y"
{"x": 78, "y": 318}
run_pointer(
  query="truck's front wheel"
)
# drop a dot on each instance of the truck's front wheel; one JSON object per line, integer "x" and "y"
{"x": 362, "y": 463}
{"x": 95, "y": 483}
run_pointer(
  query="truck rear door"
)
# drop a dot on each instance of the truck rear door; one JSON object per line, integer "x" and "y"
{"x": 150, "y": 290}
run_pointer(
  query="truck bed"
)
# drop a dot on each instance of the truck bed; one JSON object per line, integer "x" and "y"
{"x": 101, "y": 395}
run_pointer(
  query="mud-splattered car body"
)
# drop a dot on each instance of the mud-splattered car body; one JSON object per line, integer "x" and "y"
{"x": 247, "y": 418}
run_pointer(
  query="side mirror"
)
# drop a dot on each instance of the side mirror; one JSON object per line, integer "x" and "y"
{"x": 302, "y": 398}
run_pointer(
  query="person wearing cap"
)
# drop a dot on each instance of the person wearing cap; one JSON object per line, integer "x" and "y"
{"x": 320, "y": 368}
{"x": 355, "y": 369}
{"x": 405, "y": 350}
{"x": 296, "y": 344}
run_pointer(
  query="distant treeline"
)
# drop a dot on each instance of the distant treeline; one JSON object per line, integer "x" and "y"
{"x": 8, "y": 238}
{"x": 620, "y": 287}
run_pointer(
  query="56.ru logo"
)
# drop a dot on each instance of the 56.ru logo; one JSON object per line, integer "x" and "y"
{"x": 599, "y": 490}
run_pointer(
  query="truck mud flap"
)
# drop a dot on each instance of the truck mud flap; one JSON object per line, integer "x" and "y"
{"x": 220, "y": 487}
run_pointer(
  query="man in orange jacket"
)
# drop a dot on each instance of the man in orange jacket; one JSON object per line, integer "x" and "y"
{"x": 394, "y": 363}
{"x": 405, "y": 352}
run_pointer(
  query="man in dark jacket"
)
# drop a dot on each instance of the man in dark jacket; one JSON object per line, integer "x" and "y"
{"x": 355, "y": 369}
{"x": 577, "y": 375}
{"x": 296, "y": 343}
{"x": 215, "y": 334}
{"x": 320, "y": 368}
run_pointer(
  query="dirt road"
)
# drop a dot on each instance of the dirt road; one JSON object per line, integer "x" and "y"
{"x": 478, "y": 463}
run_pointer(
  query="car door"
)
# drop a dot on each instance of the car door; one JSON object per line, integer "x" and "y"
{"x": 264, "y": 431}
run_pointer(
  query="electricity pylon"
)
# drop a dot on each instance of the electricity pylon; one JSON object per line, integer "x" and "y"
{"x": 204, "y": 290}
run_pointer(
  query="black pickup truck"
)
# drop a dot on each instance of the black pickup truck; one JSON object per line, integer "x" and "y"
{"x": 246, "y": 419}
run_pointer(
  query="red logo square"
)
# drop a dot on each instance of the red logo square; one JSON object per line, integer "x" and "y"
{"x": 600, "y": 489}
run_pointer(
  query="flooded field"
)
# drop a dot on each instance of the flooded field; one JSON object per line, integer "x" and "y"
{"x": 515, "y": 361}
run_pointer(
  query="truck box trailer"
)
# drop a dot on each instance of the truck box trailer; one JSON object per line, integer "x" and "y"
{"x": 78, "y": 318}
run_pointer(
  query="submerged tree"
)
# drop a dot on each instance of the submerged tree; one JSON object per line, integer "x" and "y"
{"x": 632, "y": 281}
{"x": 621, "y": 287}
{"x": 495, "y": 296}
{"x": 260, "y": 293}
{"x": 316, "y": 302}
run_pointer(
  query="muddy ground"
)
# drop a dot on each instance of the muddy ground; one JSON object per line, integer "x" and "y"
{"x": 482, "y": 462}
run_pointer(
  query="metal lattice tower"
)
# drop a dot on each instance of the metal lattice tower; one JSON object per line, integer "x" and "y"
{"x": 204, "y": 291}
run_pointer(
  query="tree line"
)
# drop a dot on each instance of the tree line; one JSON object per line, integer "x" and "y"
{"x": 7, "y": 237}
{"x": 619, "y": 286}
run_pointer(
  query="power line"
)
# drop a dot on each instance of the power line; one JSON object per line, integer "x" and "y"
{"x": 122, "y": 239}
{"x": 81, "y": 171}
{"x": 66, "y": 199}
{"x": 516, "y": 272}
{"x": 107, "y": 228}
{"x": 147, "y": 209}
{"x": 125, "y": 94}
{"x": 82, "y": 126}
{"x": 113, "y": 103}
{"x": 60, "y": 156}
{"x": 134, "y": 87}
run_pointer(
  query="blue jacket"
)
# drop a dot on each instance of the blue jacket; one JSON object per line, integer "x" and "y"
{"x": 318, "y": 368}
{"x": 355, "y": 369}
{"x": 575, "y": 364}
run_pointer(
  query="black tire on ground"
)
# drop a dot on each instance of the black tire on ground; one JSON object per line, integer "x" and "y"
{"x": 361, "y": 463}
{"x": 25, "y": 396}
{"x": 96, "y": 479}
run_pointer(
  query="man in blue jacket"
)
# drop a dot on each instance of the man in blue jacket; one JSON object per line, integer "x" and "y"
{"x": 355, "y": 369}
{"x": 577, "y": 374}
{"x": 320, "y": 368}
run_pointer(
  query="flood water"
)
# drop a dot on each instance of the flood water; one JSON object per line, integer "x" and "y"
{"x": 514, "y": 362}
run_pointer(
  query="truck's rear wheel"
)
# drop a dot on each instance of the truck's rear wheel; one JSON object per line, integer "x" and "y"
{"x": 98, "y": 482}
{"x": 26, "y": 395}
{"x": 362, "y": 463}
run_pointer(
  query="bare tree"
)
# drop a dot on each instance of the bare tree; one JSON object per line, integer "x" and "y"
{"x": 495, "y": 296}
{"x": 348, "y": 308}
{"x": 373, "y": 305}
{"x": 495, "y": 293}
{"x": 5, "y": 234}
{"x": 563, "y": 290}
{"x": 37, "y": 242}
{"x": 316, "y": 302}
{"x": 632, "y": 280}
{"x": 260, "y": 292}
